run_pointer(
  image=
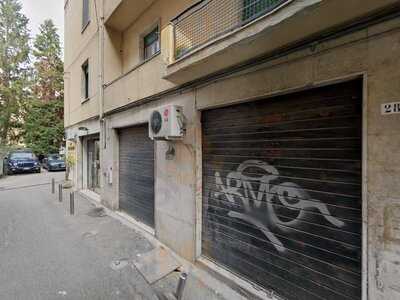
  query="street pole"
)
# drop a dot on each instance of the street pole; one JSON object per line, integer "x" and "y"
{"x": 181, "y": 286}
{"x": 72, "y": 203}
{"x": 53, "y": 186}
{"x": 60, "y": 193}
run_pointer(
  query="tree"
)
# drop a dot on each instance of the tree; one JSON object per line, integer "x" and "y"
{"x": 48, "y": 65}
{"x": 44, "y": 129}
{"x": 14, "y": 69}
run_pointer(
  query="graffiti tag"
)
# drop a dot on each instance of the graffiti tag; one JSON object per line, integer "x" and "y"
{"x": 290, "y": 195}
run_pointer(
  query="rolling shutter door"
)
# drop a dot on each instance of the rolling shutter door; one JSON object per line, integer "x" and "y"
{"x": 136, "y": 174}
{"x": 282, "y": 192}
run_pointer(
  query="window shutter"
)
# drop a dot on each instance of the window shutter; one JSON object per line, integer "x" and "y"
{"x": 83, "y": 83}
{"x": 85, "y": 13}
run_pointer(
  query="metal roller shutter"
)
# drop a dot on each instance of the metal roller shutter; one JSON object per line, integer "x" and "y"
{"x": 282, "y": 192}
{"x": 136, "y": 174}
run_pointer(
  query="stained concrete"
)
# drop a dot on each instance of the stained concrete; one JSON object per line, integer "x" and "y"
{"x": 156, "y": 264}
{"x": 47, "y": 254}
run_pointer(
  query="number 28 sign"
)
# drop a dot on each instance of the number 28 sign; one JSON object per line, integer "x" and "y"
{"x": 390, "y": 108}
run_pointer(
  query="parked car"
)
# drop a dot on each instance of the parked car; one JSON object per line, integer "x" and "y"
{"x": 54, "y": 162}
{"x": 21, "y": 161}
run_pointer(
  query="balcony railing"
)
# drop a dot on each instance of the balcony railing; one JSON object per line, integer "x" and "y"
{"x": 209, "y": 19}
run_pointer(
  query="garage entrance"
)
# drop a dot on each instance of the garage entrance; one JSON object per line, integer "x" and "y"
{"x": 136, "y": 174}
{"x": 282, "y": 192}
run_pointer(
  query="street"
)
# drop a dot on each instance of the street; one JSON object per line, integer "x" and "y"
{"x": 47, "y": 254}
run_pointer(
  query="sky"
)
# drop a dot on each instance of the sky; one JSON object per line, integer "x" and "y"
{"x": 39, "y": 10}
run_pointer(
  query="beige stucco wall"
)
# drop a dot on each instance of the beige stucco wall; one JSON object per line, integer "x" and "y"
{"x": 175, "y": 180}
{"x": 79, "y": 110}
{"x": 162, "y": 12}
{"x": 110, "y": 6}
{"x": 374, "y": 54}
{"x": 122, "y": 52}
{"x": 80, "y": 46}
{"x": 112, "y": 54}
{"x": 129, "y": 80}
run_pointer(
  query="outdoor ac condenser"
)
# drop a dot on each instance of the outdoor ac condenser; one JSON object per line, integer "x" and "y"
{"x": 167, "y": 123}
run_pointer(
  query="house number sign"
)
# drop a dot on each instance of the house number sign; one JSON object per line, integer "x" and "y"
{"x": 390, "y": 108}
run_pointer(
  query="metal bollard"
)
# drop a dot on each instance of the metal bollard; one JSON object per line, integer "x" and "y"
{"x": 53, "y": 186}
{"x": 60, "y": 193}
{"x": 181, "y": 286}
{"x": 72, "y": 203}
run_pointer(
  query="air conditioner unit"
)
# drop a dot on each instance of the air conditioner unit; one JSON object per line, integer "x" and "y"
{"x": 167, "y": 123}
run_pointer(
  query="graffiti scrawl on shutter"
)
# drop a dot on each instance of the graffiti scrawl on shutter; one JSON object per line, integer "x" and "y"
{"x": 292, "y": 196}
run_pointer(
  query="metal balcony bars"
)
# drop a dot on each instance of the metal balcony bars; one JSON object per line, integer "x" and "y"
{"x": 209, "y": 19}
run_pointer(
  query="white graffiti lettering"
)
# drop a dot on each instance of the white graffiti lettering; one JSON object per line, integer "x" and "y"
{"x": 290, "y": 195}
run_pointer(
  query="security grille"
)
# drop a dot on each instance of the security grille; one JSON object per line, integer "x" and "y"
{"x": 136, "y": 174}
{"x": 282, "y": 192}
{"x": 210, "y": 19}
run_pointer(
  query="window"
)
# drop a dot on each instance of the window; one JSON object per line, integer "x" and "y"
{"x": 85, "y": 80}
{"x": 22, "y": 155}
{"x": 85, "y": 14}
{"x": 151, "y": 44}
{"x": 54, "y": 157}
{"x": 255, "y": 8}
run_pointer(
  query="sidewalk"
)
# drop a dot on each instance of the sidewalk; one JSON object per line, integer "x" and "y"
{"x": 47, "y": 253}
{"x": 200, "y": 285}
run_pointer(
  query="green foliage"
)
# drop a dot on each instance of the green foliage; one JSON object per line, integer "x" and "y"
{"x": 44, "y": 125}
{"x": 70, "y": 160}
{"x": 43, "y": 129}
{"x": 14, "y": 70}
{"x": 48, "y": 65}
{"x": 31, "y": 93}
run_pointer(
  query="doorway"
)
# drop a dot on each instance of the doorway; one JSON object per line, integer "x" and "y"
{"x": 93, "y": 159}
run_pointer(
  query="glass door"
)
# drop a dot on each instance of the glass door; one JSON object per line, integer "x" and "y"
{"x": 94, "y": 165}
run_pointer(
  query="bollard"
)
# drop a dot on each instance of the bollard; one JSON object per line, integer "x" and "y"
{"x": 53, "y": 186}
{"x": 60, "y": 193}
{"x": 181, "y": 286}
{"x": 71, "y": 203}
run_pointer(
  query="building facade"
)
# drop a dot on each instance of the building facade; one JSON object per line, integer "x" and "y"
{"x": 286, "y": 180}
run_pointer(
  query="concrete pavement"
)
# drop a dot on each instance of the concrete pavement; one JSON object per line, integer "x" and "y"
{"x": 30, "y": 179}
{"x": 47, "y": 254}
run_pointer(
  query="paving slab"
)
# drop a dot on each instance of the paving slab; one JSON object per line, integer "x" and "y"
{"x": 156, "y": 264}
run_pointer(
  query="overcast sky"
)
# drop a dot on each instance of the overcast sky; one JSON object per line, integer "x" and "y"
{"x": 39, "y": 10}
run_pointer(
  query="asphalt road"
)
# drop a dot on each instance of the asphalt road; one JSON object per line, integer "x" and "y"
{"x": 47, "y": 254}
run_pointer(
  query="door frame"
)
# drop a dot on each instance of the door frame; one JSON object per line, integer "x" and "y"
{"x": 89, "y": 177}
{"x": 84, "y": 163}
{"x": 116, "y": 137}
{"x": 224, "y": 272}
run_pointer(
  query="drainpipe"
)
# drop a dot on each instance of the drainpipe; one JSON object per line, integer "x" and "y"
{"x": 101, "y": 81}
{"x": 101, "y": 64}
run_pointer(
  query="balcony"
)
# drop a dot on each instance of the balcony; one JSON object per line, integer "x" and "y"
{"x": 211, "y": 19}
{"x": 119, "y": 14}
{"x": 214, "y": 35}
